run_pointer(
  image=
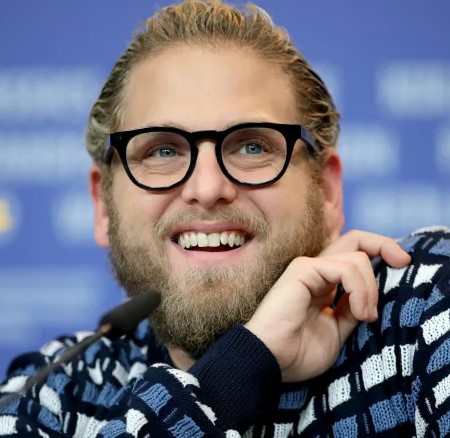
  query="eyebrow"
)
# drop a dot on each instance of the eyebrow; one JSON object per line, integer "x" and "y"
{"x": 170, "y": 124}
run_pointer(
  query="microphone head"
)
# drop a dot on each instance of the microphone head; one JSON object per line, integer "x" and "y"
{"x": 125, "y": 317}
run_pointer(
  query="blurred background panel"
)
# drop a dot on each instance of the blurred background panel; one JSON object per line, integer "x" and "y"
{"x": 386, "y": 62}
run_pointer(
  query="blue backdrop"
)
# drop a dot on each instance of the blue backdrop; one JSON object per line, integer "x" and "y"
{"x": 387, "y": 63}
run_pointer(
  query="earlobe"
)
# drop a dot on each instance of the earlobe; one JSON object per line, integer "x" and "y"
{"x": 101, "y": 218}
{"x": 333, "y": 197}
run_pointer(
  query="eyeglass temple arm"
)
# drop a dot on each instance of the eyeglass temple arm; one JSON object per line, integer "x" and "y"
{"x": 108, "y": 150}
{"x": 307, "y": 137}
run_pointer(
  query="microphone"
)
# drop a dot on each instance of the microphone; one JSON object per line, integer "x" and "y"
{"x": 115, "y": 323}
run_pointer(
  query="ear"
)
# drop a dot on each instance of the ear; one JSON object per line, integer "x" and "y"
{"x": 101, "y": 218}
{"x": 333, "y": 198}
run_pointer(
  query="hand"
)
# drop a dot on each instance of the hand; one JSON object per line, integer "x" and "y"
{"x": 295, "y": 319}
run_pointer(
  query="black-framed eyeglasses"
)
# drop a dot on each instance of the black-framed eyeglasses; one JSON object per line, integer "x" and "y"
{"x": 249, "y": 154}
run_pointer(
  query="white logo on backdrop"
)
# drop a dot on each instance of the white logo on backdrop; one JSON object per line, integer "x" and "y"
{"x": 369, "y": 150}
{"x": 43, "y": 157}
{"x": 419, "y": 89}
{"x": 442, "y": 154}
{"x": 47, "y": 93}
{"x": 399, "y": 208}
{"x": 72, "y": 216}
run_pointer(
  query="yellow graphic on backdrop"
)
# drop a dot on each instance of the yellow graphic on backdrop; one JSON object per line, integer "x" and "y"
{"x": 6, "y": 219}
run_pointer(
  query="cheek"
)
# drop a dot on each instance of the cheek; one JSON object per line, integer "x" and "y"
{"x": 283, "y": 203}
{"x": 281, "y": 208}
{"x": 139, "y": 208}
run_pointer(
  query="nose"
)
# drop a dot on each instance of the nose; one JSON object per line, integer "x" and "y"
{"x": 207, "y": 185}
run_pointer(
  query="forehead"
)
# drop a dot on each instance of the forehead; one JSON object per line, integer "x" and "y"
{"x": 199, "y": 88}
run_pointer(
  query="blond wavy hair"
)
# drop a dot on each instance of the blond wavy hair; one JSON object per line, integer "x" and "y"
{"x": 214, "y": 23}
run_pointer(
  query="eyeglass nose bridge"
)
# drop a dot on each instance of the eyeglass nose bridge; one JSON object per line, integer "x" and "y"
{"x": 216, "y": 137}
{"x": 194, "y": 138}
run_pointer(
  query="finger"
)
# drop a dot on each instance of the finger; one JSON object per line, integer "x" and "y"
{"x": 311, "y": 281}
{"x": 354, "y": 272}
{"x": 365, "y": 270}
{"x": 374, "y": 245}
{"x": 345, "y": 320}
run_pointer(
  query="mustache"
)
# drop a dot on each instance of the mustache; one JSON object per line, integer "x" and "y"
{"x": 256, "y": 224}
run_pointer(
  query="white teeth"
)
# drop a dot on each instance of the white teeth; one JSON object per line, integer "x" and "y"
{"x": 223, "y": 238}
{"x": 193, "y": 239}
{"x": 212, "y": 240}
{"x": 202, "y": 240}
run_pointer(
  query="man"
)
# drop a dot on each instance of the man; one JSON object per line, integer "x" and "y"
{"x": 220, "y": 186}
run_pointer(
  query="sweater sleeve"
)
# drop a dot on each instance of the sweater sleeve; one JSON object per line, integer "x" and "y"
{"x": 95, "y": 398}
{"x": 221, "y": 395}
{"x": 431, "y": 364}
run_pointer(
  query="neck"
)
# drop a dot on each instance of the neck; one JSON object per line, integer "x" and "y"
{"x": 180, "y": 358}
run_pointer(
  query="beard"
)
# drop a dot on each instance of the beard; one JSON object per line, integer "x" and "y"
{"x": 201, "y": 303}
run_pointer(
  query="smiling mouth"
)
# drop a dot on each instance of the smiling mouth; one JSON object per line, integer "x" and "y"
{"x": 213, "y": 242}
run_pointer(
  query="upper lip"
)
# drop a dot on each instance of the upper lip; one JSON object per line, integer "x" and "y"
{"x": 208, "y": 227}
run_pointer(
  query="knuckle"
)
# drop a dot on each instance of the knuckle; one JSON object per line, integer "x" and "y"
{"x": 355, "y": 260}
{"x": 350, "y": 266}
{"x": 361, "y": 256}
{"x": 354, "y": 233}
{"x": 364, "y": 292}
{"x": 392, "y": 241}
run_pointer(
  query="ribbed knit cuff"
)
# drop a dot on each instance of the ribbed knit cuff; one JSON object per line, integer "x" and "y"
{"x": 239, "y": 378}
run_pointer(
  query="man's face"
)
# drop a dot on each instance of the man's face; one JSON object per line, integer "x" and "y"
{"x": 207, "y": 289}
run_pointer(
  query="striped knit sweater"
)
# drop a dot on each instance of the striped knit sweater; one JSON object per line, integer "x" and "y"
{"x": 392, "y": 377}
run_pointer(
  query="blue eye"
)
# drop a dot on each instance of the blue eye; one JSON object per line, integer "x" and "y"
{"x": 251, "y": 149}
{"x": 164, "y": 153}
